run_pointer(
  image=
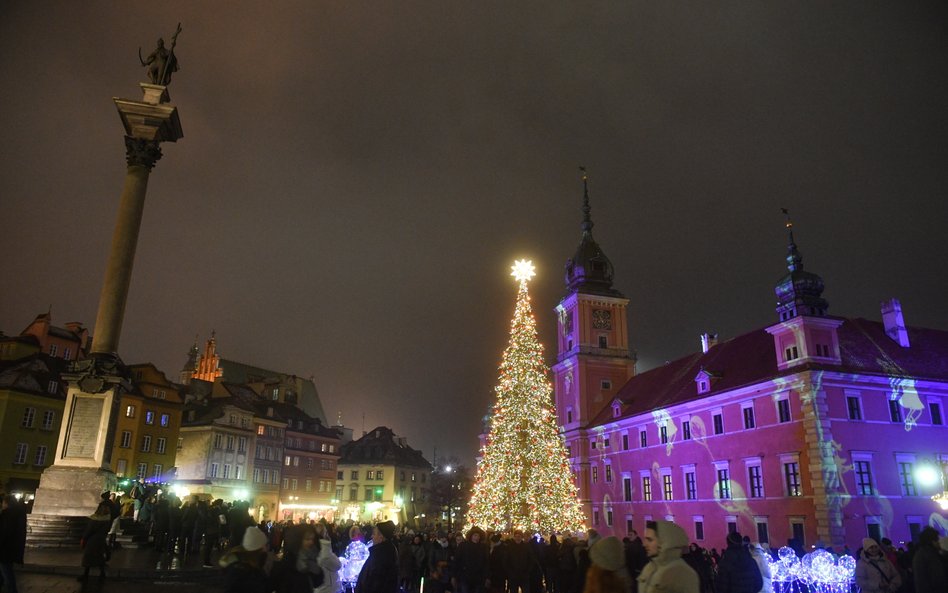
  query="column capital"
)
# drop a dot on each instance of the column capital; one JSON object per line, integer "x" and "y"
{"x": 142, "y": 152}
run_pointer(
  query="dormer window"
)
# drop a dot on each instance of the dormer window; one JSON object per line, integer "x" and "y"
{"x": 704, "y": 380}
{"x": 616, "y": 409}
{"x": 791, "y": 353}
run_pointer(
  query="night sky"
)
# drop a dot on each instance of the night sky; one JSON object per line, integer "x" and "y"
{"x": 356, "y": 178}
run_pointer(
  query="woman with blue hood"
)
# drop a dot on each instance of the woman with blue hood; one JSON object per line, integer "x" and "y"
{"x": 666, "y": 572}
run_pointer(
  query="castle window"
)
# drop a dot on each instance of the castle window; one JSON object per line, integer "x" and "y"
{"x": 603, "y": 342}
{"x": 783, "y": 410}
{"x": 663, "y": 433}
{"x": 718, "y": 420}
{"x": 606, "y": 384}
{"x": 748, "y": 411}
{"x": 854, "y": 407}
{"x": 895, "y": 411}
{"x": 934, "y": 409}
{"x": 790, "y": 353}
{"x": 569, "y": 415}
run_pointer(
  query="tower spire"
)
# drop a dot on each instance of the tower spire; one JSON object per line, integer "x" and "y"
{"x": 794, "y": 259}
{"x": 587, "y": 219}
{"x": 799, "y": 292}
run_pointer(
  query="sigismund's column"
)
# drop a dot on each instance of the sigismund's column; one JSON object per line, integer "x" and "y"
{"x": 81, "y": 470}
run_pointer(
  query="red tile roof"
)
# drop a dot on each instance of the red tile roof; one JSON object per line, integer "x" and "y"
{"x": 748, "y": 359}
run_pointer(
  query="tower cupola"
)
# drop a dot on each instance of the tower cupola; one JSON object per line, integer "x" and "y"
{"x": 799, "y": 292}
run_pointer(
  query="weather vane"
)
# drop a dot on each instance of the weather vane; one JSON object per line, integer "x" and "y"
{"x": 523, "y": 270}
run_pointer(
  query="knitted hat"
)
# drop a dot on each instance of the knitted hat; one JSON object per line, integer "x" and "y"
{"x": 868, "y": 542}
{"x": 386, "y": 528}
{"x": 607, "y": 553}
{"x": 734, "y": 538}
{"x": 254, "y": 539}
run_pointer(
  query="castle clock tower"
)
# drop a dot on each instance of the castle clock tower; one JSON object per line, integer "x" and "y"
{"x": 593, "y": 357}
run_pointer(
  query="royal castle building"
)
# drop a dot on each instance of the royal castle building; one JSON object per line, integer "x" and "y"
{"x": 817, "y": 427}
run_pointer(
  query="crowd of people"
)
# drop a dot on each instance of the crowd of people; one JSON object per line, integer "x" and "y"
{"x": 306, "y": 556}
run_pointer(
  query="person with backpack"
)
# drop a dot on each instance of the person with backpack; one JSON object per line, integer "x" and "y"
{"x": 738, "y": 571}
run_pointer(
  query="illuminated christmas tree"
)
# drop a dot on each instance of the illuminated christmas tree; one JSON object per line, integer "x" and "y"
{"x": 524, "y": 479}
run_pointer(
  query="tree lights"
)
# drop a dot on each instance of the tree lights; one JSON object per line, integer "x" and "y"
{"x": 524, "y": 480}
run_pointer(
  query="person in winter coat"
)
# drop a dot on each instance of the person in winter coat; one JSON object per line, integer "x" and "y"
{"x": 519, "y": 563}
{"x": 607, "y": 571}
{"x": 497, "y": 577}
{"x": 927, "y": 565}
{"x": 12, "y": 540}
{"x": 298, "y": 571}
{"x": 471, "y": 563}
{"x": 93, "y": 543}
{"x": 328, "y": 562}
{"x": 762, "y": 559}
{"x": 440, "y": 564}
{"x": 380, "y": 572}
{"x": 666, "y": 572}
{"x": 737, "y": 570}
{"x": 244, "y": 565}
{"x": 875, "y": 574}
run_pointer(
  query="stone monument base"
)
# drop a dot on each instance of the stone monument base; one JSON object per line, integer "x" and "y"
{"x": 72, "y": 491}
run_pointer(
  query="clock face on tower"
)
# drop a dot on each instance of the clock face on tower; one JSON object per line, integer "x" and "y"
{"x": 602, "y": 319}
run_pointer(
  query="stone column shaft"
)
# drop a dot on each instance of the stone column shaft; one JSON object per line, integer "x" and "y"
{"x": 118, "y": 274}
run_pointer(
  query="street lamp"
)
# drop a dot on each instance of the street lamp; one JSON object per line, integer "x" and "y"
{"x": 930, "y": 475}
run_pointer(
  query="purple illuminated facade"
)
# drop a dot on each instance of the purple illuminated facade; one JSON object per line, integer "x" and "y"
{"x": 811, "y": 428}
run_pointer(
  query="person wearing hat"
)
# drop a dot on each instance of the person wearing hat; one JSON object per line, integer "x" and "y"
{"x": 666, "y": 572}
{"x": 875, "y": 574}
{"x": 244, "y": 565}
{"x": 93, "y": 542}
{"x": 737, "y": 570}
{"x": 380, "y": 572}
{"x": 607, "y": 572}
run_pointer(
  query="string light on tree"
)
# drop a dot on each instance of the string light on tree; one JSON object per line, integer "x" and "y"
{"x": 524, "y": 480}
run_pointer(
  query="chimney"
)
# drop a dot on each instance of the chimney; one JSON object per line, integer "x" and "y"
{"x": 708, "y": 341}
{"x": 894, "y": 323}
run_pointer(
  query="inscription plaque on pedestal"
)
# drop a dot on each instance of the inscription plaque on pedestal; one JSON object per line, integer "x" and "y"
{"x": 84, "y": 427}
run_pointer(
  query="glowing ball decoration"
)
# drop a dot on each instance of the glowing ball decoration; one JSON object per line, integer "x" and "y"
{"x": 356, "y": 555}
{"x": 818, "y": 572}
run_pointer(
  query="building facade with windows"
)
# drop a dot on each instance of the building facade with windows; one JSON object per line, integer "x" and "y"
{"x": 811, "y": 428}
{"x": 381, "y": 478}
{"x": 310, "y": 456}
{"x": 146, "y": 431}
{"x": 32, "y": 398}
{"x": 217, "y": 442}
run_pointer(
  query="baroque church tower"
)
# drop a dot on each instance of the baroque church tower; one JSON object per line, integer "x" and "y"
{"x": 593, "y": 359}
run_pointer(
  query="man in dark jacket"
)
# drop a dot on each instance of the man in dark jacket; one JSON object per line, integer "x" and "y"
{"x": 12, "y": 540}
{"x": 380, "y": 571}
{"x": 737, "y": 570}
{"x": 471, "y": 562}
{"x": 519, "y": 562}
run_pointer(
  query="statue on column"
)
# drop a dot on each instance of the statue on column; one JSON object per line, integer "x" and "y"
{"x": 162, "y": 62}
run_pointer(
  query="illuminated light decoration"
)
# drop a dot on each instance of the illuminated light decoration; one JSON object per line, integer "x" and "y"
{"x": 523, "y": 270}
{"x": 817, "y": 572}
{"x": 524, "y": 480}
{"x": 352, "y": 561}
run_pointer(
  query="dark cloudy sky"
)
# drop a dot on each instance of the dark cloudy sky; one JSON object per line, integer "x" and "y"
{"x": 357, "y": 177}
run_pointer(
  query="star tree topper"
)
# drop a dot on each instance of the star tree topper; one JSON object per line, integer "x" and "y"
{"x": 523, "y": 270}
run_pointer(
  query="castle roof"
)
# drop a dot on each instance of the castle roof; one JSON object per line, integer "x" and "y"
{"x": 750, "y": 358}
